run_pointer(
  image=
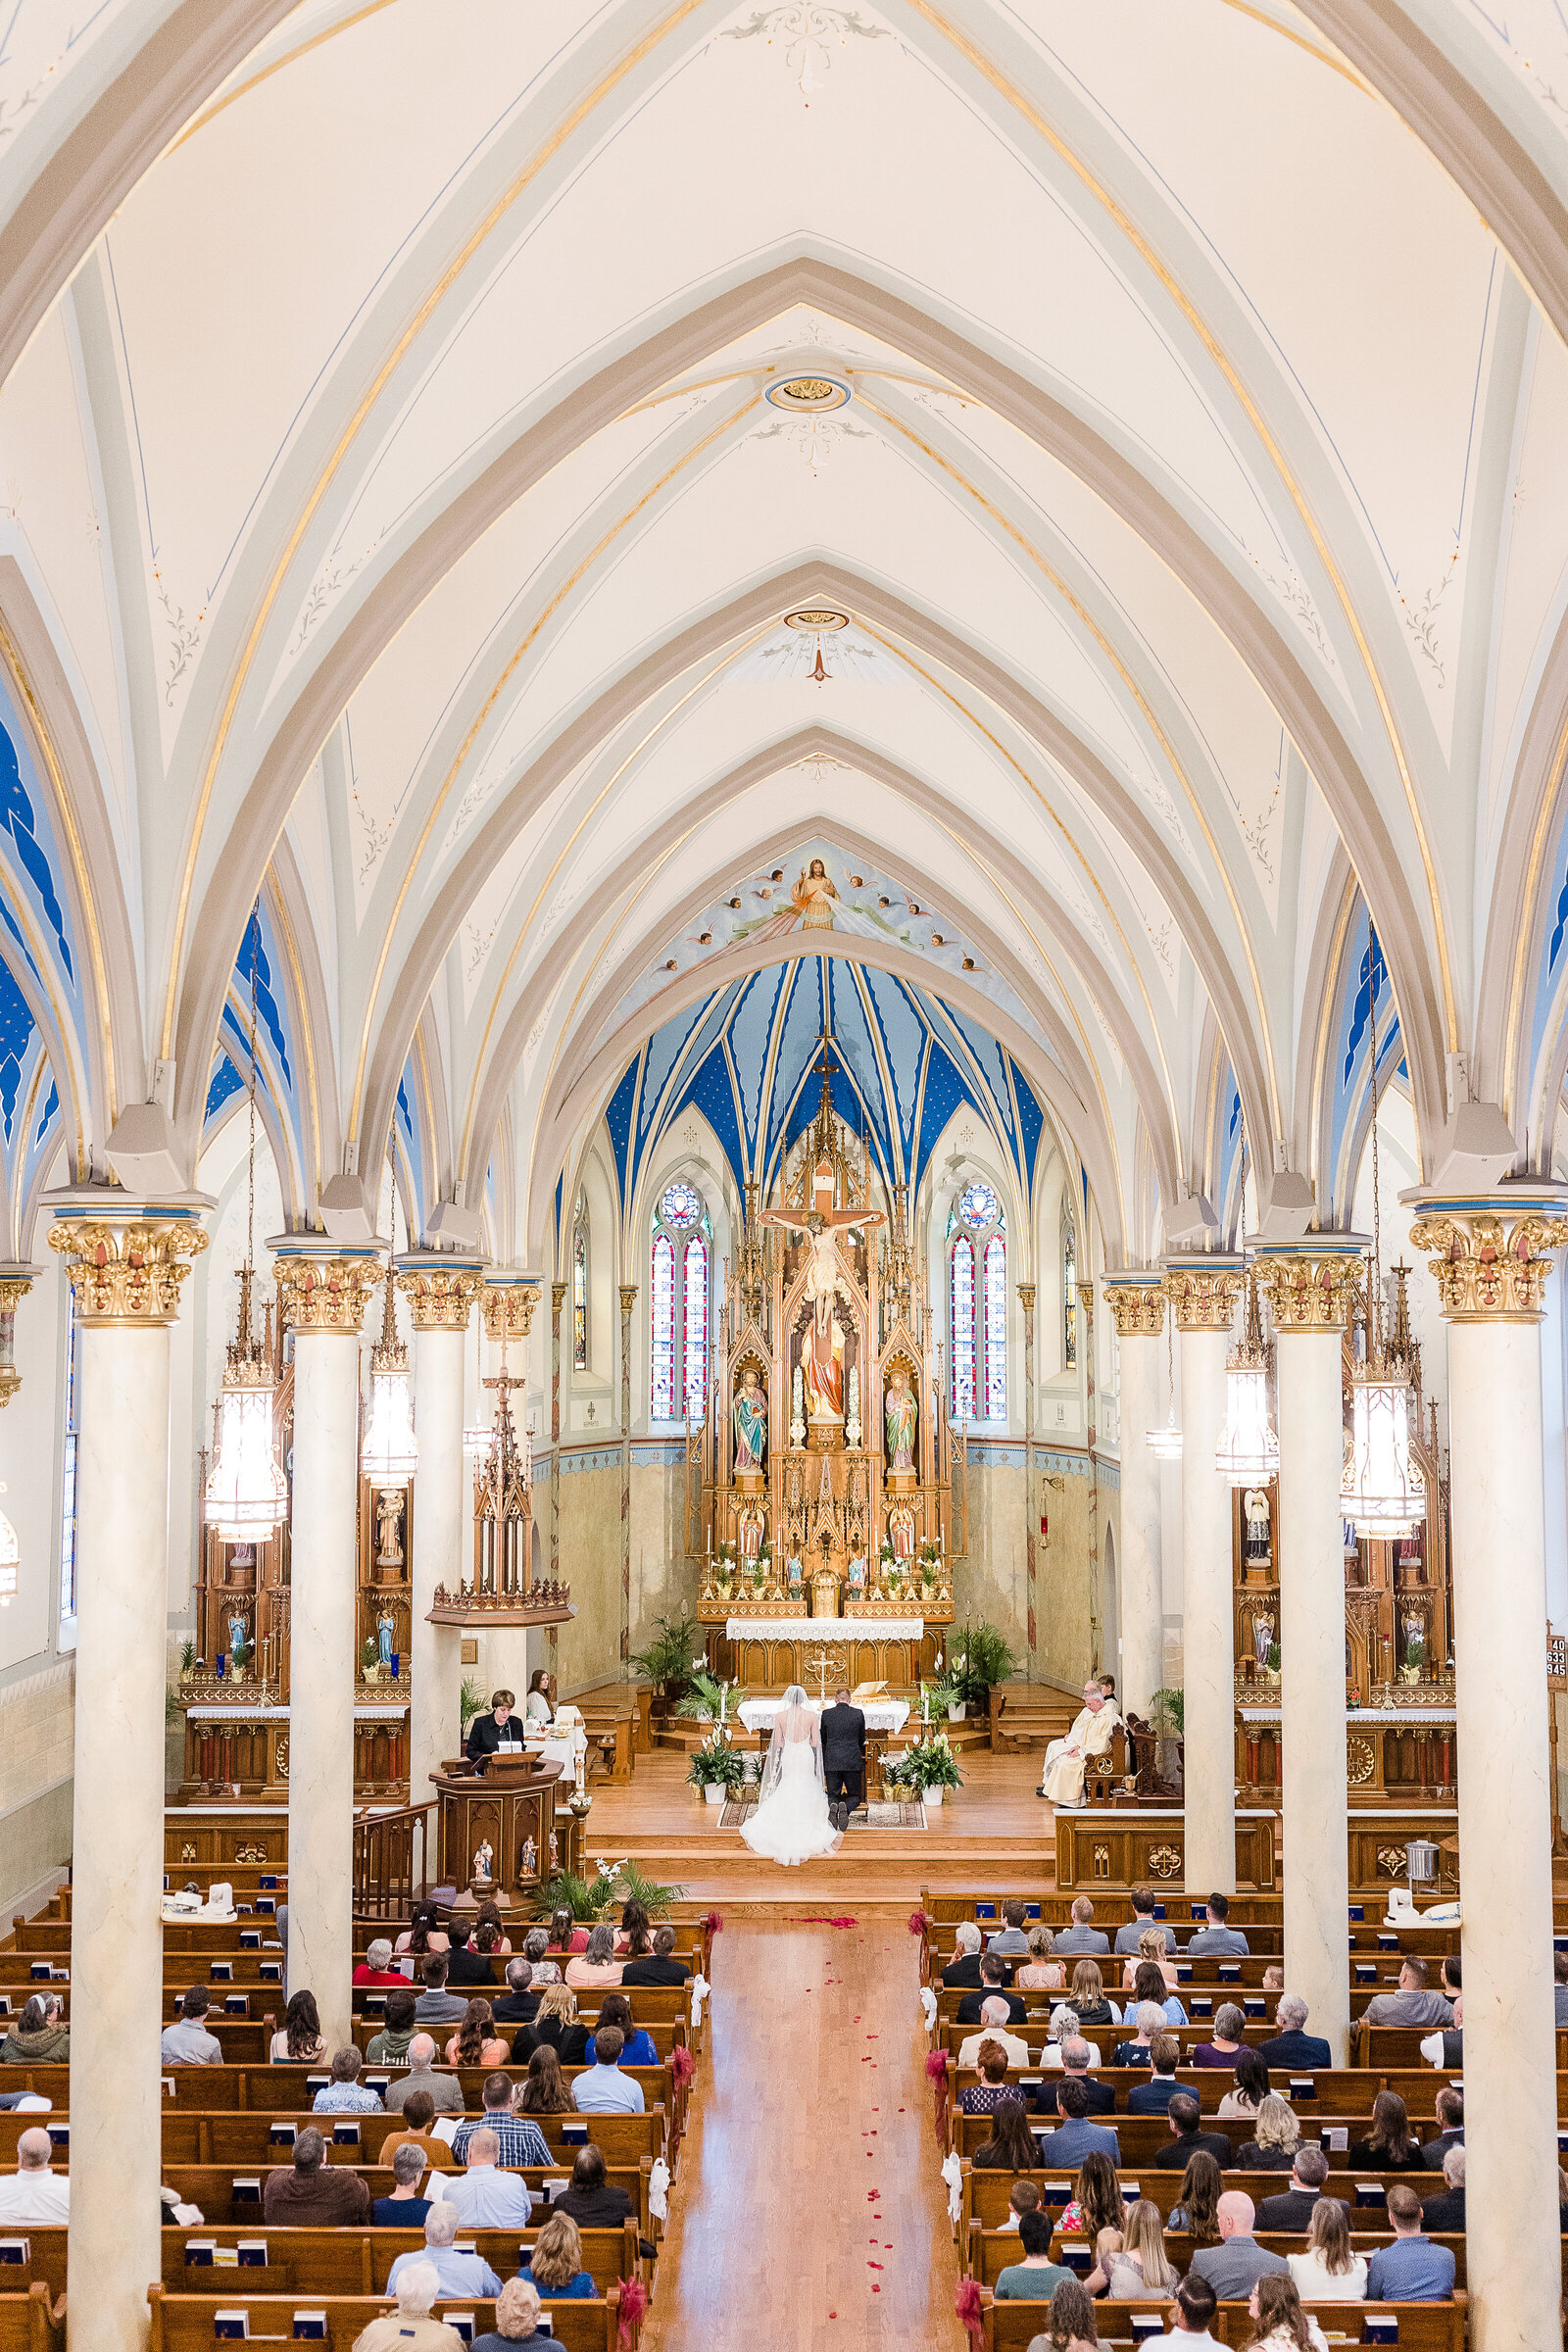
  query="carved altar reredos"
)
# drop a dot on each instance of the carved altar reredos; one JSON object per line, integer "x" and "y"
{"x": 826, "y": 1495}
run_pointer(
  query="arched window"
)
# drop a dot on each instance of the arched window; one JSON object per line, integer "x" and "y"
{"x": 1069, "y": 1287}
{"x": 977, "y": 1305}
{"x": 579, "y": 1284}
{"x": 682, "y": 1247}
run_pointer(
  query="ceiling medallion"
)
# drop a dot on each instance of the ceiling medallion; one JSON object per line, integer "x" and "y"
{"x": 816, "y": 620}
{"x": 802, "y": 395}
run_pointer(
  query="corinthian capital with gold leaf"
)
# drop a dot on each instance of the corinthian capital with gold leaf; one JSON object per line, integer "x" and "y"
{"x": 1312, "y": 1285}
{"x": 509, "y": 1303}
{"x": 1491, "y": 1257}
{"x": 1137, "y": 1300}
{"x": 440, "y": 1289}
{"x": 1204, "y": 1290}
{"x": 126, "y": 1268}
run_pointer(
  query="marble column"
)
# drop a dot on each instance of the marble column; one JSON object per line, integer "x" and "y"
{"x": 1489, "y": 1261}
{"x": 1203, "y": 1292}
{"x": 440, "y": 1289}
{"x": 1311, "y": 1287}
{"x": 126, "y": 1266}
{"x": 1137, "y": 1300}
{"x": 628, "y": 1299}
{"x": 509, "y": 1301}
{"x": 324, "y": 1288}
{"x": 558, "y": 1299}
{"x": 1031, "y": 1548}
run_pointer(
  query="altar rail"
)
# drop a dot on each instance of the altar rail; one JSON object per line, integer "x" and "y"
{"x": 391, "y": 1862}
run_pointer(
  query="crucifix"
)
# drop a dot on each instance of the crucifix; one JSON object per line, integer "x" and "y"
{"x": 822, "y": 1663}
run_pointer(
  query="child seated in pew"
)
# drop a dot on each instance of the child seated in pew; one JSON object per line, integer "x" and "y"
{"x": 1023, "y": 2198}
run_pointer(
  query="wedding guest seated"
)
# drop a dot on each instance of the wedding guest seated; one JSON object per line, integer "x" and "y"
{"x": 1450, "y": 2107}
{"x": 1329, "y": 2271}
{"x": 424, "y": 1934}
{"x": 1274, "y": 1976}
{"x": 405, "y": 2208}
{"x": 1226, "y": 2044}
{"x": 390, "y": 2047}
{"x": 592, "y": 2201}
{"x": 1039, "y": 1973}
{"x": 1150, "y": 2021}
{"x": 518, "y": 2139}
{"x": 186, "y": 2042}
{"x": 994, "y": 2023}
{"x": 1188, "y": 2137}
{"x": 1282, "y": 2325}
{"x": 436, "y": 2006}
{"x": 603, "y": 2089}
{"x": 411, "y": 2328}
{"x": 1128, "y": 1935}
{"x": 1559, "y": 1988}
{"x": 1250, "y": 2089}
{"x": 965, "y": 1966}
{"x": 1275, "y": 2135}
{"x": 638, "y": 2043}
{"x": 1022, "y": 2197}
{"x": 466, "y": 1966}
{"x": 1082, "y": 1935}
{"x": 1154, "y": 2096}
{"x": 1293, "y": 2207}
{"x": 1011, "y": 1938}
{"x": 634, "y": 1938}
{"x": 1196, "y": 2212}
{"x": 597, "y": 1966}
{"x": 1149, "y": 1984}
{"x": 419, "y": 2114}
{"x": 1070, "y": 2327}
{"x": 546, "y": 2090}
{"x": 1064, "y": 2027}
{"x": 346, "y": 2094}
{"x": 456, "y": 2273}
{"x": 490, "y": 1932}
{"x": 1097, "y": 2201}
{"x": 1391, "y": 2147}
{"x": 1413, "y": 2004}
{"x": 661, "y": 1966}
{"x": 1077, "y": 2056}
{"x": 1152, "y": 1947}
{"x": 299, "y": 2041}
{"x": 556, "y": 2022}
{"x": 1446, "y": 2050}
{"x": 34, "y": 2196}
{"x": 485, "y": 2196}
{"x": 1235, "y": 2266}
{"x": 445, "y": 2091}
{"x": 376, "y": 1967}
{"x": 1196, "y": 2307}
{"x": 565, "y": 1936}
{"x": 992, "y": 1981}
{"x": 980, "y": 2098}
{"x": 1290, "y": 2046}
{"x": 1087, "y": 1993}
{"x": 520, "y": 2318}
{"x": 536, "y": 1950}
{"x": 518, "y": 2005}
{"x": 1075, "y": 2136}
{"x": 1037, "y": 2277}
{"x": 1139, "y": 2265}
{"x": 555, "y": 2266}
{"x": 1446, "y": 2211}
{"x": 313, "y": 2194}
{"x": 1214, "y": 1935}
{"x": 1012, "y": 2147}
{"x": 1412, "y": 2269}
{"x": 476, "y": 2041}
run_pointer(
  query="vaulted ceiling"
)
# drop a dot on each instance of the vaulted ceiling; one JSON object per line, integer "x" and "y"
{"x": 421, "y": 426}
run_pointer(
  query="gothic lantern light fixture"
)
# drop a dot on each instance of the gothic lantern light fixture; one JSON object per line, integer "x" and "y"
{"x": 1248, "y": 1449}
{"x": 390, "y": 1454}
{"x": 477, "y": 1434}
{"x": 247, "y": 1494}
{"x": 1381, "y": 1492}
{"x": 1166, "y": 1444}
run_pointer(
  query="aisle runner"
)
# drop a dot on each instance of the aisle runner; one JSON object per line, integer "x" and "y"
{"x": 869, "y": 1817}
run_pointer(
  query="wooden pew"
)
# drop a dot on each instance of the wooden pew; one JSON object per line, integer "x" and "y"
{"x": 183, "y": 2323}
{"x": 1422, "y": 2326}
{"x": 990, "y": 2251}
{"x": 983, "y": 2194}
{"x": 27, "y": 2321}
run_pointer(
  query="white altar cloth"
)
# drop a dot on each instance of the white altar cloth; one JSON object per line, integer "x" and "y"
{"x": 825, "y": 1629}
{"x": 881, "y": 1714}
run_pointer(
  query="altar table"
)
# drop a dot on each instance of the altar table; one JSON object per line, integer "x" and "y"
{"x": 887, "y": 1715}
{"x": 773, "y": 1651}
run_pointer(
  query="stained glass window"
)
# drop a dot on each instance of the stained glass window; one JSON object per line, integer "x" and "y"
{"x": 1069, "y": 1287}
{"x": 68, "y": 1482}
{"x": 977, "y": 1305}
{"x": 680, "y": 1310}
{"x": 579, "y": 1285}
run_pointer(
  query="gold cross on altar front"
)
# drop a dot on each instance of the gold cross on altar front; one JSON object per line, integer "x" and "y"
{"x": 822, "y": 1663}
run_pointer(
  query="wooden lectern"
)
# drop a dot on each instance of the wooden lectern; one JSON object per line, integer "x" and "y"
{"x": 518, "y": 1807}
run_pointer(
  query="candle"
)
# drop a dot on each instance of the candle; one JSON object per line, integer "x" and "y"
{"x": 925, "y": 1704}
{"x": 723, "y": 1696}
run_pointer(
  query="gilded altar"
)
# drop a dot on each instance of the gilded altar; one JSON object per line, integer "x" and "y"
{"x": 826, "y": 1481}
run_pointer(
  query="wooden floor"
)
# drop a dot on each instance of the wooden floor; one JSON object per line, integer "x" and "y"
{"x": 994, "y": 1828}
{"x": 808, "y": 2216}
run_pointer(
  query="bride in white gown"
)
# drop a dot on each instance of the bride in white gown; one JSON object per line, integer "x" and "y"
{"x": 791, "y": 1823}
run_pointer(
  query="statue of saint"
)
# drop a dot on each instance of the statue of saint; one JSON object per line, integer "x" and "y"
{"x": 792, "y": 1570}
{"x": 237, "y": 1642}
{"x": 900, "y": 1413}
{"x": 857, "y": 1575}
{"x": 385, "y": 1633}
{"x": 822, "y": 1358}
{"x": 482, "y": 1861}
{"x": 388, "y": 1521}
{"x": 1257, "y": 1549}
{"x": 751, "y": 1423}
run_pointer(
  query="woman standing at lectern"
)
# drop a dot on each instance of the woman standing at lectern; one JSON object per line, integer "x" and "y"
{"x": 488, "y": 1732}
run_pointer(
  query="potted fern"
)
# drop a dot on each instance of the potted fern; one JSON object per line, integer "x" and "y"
{"x": 716, "y": 1768}
{"x": 671, "y": 1660}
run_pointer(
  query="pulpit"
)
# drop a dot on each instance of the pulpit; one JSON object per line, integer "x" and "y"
{"x": 517, "y": 1808}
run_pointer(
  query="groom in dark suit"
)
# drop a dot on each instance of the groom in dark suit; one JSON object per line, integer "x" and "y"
{"x": 843, "y": 1730}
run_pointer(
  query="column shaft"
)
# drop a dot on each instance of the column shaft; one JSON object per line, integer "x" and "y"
{"x": 1208, "y": 1631}
{"x": 435, "y": 1649}
{"x": 1143, "y": 1636}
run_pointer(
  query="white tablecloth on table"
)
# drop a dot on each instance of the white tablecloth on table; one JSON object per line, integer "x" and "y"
{"x": 825, "y": 1629}
{"x": 881, "y": 1714}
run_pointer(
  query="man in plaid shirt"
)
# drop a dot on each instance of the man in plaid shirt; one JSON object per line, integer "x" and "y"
{"x": 521, "y": 2139}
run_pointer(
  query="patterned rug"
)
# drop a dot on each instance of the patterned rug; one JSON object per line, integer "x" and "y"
{"x": 869, "y": 1817}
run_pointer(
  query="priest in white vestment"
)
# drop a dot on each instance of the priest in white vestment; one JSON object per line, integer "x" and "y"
{"x": 1063, "y": 1778}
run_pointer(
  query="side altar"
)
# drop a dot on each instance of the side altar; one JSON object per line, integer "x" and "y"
{"x": 826, "y": 1485}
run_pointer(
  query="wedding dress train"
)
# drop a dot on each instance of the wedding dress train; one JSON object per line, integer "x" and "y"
{"x": 791, "y": 1824}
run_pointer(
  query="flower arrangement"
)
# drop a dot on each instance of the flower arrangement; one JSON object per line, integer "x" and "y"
{"x": 589, "y": 1899}
{"x": 932, "y": 1764}
{"x": 716, "y": 1765}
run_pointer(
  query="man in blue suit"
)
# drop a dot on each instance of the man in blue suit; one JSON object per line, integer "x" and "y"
{"x": 1290, "y": 2046}
{"x": 1154, "y": 2096}
{"x": 1075, "y": 2136}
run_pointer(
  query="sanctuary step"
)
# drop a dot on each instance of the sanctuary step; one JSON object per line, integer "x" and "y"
{"x": 1030, "y": 1714}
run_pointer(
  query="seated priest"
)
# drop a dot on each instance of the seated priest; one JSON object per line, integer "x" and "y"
{"x": 1091, "y": 1735}
{"x": 489, "y": 1734}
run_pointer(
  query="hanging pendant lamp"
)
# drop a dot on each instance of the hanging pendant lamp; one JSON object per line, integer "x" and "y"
{"x": 1381, "y": 1492}
{"x": 1248, "y": 1449}
{"x": 1166, "y": 1444}
{"x": 247, "y": 1494}
{"x": 390, "y": 1454}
